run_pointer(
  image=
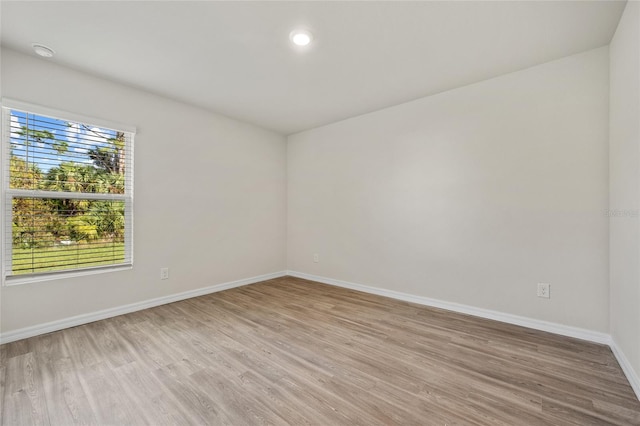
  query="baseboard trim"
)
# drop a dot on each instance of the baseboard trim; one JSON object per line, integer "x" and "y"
{"x": 48, "y": 327}
{"x": 564, "y": 330}
{"x": 627, "y": 369}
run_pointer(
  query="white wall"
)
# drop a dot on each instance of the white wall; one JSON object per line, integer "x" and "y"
{"x": 624, "y": 165}
{"x": 470, "y": 196}
{"x": 209, "y": 195}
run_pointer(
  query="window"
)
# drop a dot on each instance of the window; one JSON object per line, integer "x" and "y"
{"x": 67, "y": 194}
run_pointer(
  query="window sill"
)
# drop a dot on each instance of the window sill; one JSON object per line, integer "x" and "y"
{"x": 26, "y": 279}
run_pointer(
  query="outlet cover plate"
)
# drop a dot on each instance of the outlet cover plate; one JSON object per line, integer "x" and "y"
{"x": 164, "y": 273}
{"x": 544, "y": 290}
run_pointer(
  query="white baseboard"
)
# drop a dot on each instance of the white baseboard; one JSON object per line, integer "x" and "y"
{"x": 36, "y": 330}
{"x": 627, "y": 369}
{"x": 564, "y": 330}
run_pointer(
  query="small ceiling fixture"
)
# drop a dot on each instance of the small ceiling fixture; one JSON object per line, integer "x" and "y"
{"x": 42, "y": 50}
{"x": 300, "y": 37}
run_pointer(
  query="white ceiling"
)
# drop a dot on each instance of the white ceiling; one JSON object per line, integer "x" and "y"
{"x": 235, "y": 58}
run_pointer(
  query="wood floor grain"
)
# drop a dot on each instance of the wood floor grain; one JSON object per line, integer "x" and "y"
{"x": 291, "y": 351}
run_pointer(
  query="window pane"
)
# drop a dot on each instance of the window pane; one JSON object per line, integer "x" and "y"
{"x": 50, "y": 234}
{"x": 69, "y": 193}
{"x": 57, "y": 155}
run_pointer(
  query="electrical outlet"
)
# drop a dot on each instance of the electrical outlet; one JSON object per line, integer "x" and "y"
{"x": 164, "y": 273}
{"x": 316, "y": 257}
{"x": 544, "y": 290}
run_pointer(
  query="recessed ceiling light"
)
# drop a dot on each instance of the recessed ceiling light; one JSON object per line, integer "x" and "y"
{"x": 300, "y": 37}
{"x": 42, "y": 50}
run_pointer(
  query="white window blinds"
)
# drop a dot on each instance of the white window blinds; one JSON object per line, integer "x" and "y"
{"x": 67, "y": 195}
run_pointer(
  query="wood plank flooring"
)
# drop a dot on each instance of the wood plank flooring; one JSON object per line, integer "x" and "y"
{"x": 290, "y": 351}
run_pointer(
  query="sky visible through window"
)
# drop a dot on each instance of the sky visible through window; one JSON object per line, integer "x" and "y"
{"x": 71, "y": 141}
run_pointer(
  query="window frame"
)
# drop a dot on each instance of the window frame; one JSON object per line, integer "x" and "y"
{"x": 7, "y": 194}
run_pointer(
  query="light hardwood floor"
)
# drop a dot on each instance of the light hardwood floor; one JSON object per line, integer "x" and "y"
{"x": 290, "y": 351}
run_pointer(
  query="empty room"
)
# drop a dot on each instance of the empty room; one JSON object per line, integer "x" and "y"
{"x": 320, "y": 213}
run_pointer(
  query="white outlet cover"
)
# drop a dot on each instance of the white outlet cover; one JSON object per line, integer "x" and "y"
{"x": 544, "y": 290}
